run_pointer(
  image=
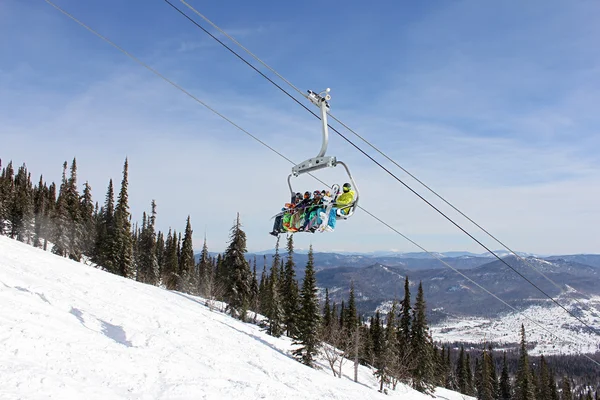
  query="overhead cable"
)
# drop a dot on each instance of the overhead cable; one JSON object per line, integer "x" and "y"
{"x": 137, "y": 60}
{"x": 595, "y": 331}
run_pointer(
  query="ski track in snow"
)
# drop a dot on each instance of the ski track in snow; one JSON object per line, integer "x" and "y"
{"x": 70, "y": 331}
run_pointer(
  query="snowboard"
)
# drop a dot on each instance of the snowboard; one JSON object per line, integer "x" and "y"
{"x": 330, "y": 202}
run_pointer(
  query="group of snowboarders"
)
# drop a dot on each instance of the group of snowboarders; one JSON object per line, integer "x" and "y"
{"x": 319, "y": 211}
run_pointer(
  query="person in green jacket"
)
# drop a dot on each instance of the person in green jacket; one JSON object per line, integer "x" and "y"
{"x": 345, "y": 200}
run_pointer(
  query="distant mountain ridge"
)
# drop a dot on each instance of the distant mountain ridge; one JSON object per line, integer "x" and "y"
{"x": 394, "y": 253}
{"x": 410, "y": 261}
{"x": 449, "y": 293}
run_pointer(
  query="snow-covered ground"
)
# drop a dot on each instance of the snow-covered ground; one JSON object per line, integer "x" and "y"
{"x": 70, "y": 331}
{"x": 563, "y": 334}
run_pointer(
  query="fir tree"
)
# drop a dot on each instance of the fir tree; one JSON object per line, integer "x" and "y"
{"x": 544, "y": 391}
{"x": 524, "y": 388}
{"x": 105, "y": 253}
{"x": 148, "y": 263}
{"x": 274, "y": 306}
{"x": 376, "y": 338}
{"x": 263, "y": 290}
{"x": 238, "y": 272}
{"x": 290, "y": 291}
{"x": 60, "y": 219}
{"x": 48, "y": 212}
{"x": 485, "y": 390}
{"x": 387, "y": 353}
{"x": 505, "y": 387}
{"x": 170, "y": 273}
{"x": 188, "y": 264}
{"x": 493, "y": 375}
{"x": 74, "y": 226}
{"x": 461, "y": 371}
{"x": 160, "y": 254}
{"x": 469, "y": 374}
{"x": 327, "y": 315}
{"x": 123, "y": 239}
{"x": 350, "y": 316}
{"x": 308, "y": 317}
{"x": 6, "y": 189}
{"x": 566, "y": 393}
{"x": 88, "y": 228}
{"x": 39, "y": 207}
{"x": 254, "y": 294}
{"x": 19, "y": 209}
{"x": 404, "y": 346}
{"x": 421, "y": 347}
{"x": 205, "y": 271}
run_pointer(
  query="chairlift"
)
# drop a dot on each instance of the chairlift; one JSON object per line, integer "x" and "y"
{"x": 329, "y": 202}
{"x": 321, "y": 161}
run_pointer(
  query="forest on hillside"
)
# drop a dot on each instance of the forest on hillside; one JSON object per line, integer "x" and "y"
{"x": 69, "y": 223}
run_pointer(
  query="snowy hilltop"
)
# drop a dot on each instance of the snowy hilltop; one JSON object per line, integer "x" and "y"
{"x": 70, "y": 331}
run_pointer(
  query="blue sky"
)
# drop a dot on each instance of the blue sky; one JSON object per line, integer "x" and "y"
{"x": 494, "y": 105}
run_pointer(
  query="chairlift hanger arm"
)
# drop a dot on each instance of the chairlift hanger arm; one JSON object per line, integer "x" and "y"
{"x": 320, "y": 161}
{"x": 322, "y": 102}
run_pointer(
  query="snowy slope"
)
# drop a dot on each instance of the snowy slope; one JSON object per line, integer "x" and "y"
{"x": 69, "y": 331}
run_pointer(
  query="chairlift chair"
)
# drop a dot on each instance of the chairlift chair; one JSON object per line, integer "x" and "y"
{"x": 322, "y": 161}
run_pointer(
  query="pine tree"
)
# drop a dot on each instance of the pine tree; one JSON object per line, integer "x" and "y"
{"x": 553, "y": 387}
{"x": 105, "y": 252}
{"x": 388, "y": 350}
{"x": 290, "y": 291}
{"x": 327, "y": 315}
{"x": 505, "y": 388}
{"x": 524, "y": 388}
{"x": 19, "y": 207}
{"x": 485, "y": 390}
{"x": 188, "y": 263}
{"x": 170, "y": 270}
{"x": 342, "y": 316}
{"x": 39, "y": 208}
{"x": 73, "y": 208}
{"x": 205, "y": 271}
{"x": 148, "y": 271}
{"x": 350, "y": 316}
{"x": 254, "y": 294}
{"x": 60, "y": 219}
{"x": 274, "y": 306}
{"x": 160, "y": 253}
{"x": 48, "y": 212}
{"x": 543, "y": 388}
{"x": 461, "y": 371}
{"x": 404, "y": 346}
{"x": 88, "y": 223}
{"x": 376, "y": 337}
{"x": 421, "y": 347}
{"x": 469, "y": 374}
{"x": 307, "y": 332}
{"x": 22, "y": 206}
{"x": 123, "y": 239}
{"x": 493, "y": 375}
{"x": 221, "y": 277}
{"x": 263, "y": 290}
{"x": 6, "y": 189}
{"x": 238, "y": 272}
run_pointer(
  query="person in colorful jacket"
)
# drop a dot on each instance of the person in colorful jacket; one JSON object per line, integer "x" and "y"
{"x": 279, "y": 224}
{"x": 344, "y": 201}
{"x": 312, "y": 211}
